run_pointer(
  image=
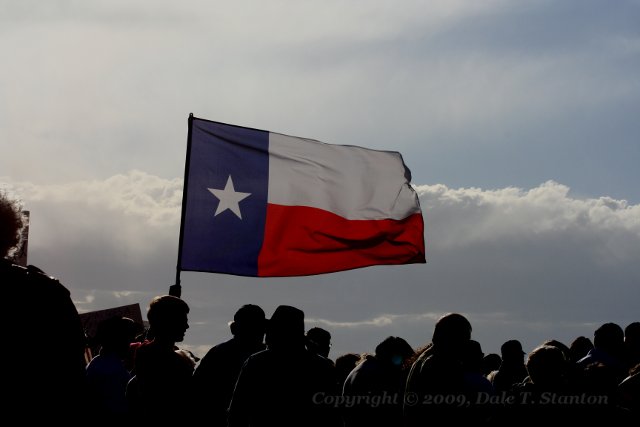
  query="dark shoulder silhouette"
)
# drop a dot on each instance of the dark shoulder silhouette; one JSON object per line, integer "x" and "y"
{"x": 284, "y": 385}
{"x": 215, "y": 377}
{"x": 41, "y": 323}
{"x": 162, "y": 383}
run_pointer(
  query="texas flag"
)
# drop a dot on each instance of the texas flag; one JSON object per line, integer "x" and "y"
{"x": 259, "y": 203}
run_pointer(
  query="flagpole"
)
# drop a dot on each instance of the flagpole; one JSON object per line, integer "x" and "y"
{"x": 176, "y": 288}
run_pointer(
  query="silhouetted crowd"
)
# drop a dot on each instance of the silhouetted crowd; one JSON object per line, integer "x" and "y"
{"x": 273, "y": 372}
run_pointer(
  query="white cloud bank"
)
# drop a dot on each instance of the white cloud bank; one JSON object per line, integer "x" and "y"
{"x": 532, "y": 264}
{"x": 471, "y": 215}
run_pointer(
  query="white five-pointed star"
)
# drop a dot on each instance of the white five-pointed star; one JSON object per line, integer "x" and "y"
{"x": 229, "y": 198}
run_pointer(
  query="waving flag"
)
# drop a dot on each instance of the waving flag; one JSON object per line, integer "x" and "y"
{"x": 259, "y": 203}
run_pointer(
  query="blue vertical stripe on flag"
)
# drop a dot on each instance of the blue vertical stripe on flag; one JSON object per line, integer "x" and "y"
{"x": 224, "y": 242}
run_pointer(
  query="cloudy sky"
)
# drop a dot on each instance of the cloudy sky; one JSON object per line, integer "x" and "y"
{"x": 518, "y": 120}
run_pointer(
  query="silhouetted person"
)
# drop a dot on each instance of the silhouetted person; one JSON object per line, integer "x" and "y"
{"x": 319, "y": 341}
{"x": 551, "y": 393}
{"x": 608, "y": 342}
{"x": 380, "y": 379}
{"x": 41, "y": 324}
{"x": 512, "y": 370}
{"x": 107, "y": 375}
{"x": 438, "y": 372}
{"x": 490, "y": 362}
{"x": 579, "y": 348}
{"x": 475, "y": 381}
{"x": 631, "y": 351}
{"x": 146, "y": 335}
{"x": 344, "y": 365}
{"x": 162, "y": 384}
{"x": 629, "y": 391}
{"x": 476, "y": 386}
{"x": 573, "y": 370}
{"x": 566, "y": 351}
{"x": 597, "y": 380}
{"x": 216, "y": 375}
{"x": 547, "y": 377}
{"x": 286, "y": 384}
{"x": 547, "y": 369}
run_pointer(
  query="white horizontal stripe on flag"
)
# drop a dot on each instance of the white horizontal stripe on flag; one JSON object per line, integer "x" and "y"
{"x": 353, "y": 182}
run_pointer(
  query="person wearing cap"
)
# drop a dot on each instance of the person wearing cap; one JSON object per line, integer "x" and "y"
{"x": 216, "y": 375}
{"x": 512, "y": 369}
{"x": 281, "y": 385}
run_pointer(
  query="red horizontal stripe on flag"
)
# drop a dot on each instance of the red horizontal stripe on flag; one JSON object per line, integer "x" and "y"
{"x": 301, "y": 240}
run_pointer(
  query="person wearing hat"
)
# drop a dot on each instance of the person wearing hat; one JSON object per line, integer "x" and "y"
{"x": 280, "y": 385}
{"x": 512, "y": 370}
{"x": 216, "y": 375}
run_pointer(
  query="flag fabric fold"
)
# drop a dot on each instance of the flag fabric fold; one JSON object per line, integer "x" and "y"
{"x": 259, "y": 203}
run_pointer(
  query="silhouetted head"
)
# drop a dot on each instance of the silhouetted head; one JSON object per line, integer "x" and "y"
{"x": 579, "y": 348}
{"x": 598, "y": 378}
{"x": 566, "y": 353}
{"x": 318, "y": 341}
{"x": 11, "y": 223}
{"x": 547, "y": 367}
{"x": 632, "y": 344}
{"x": 249, "y": 323}
{"x": 632, "y": 333}
{"x": 609, "y": 337}
{"x": 491, "y": 362}
{"x": 344, "y": 365}
{"x": 167, "y": 316}
{"x": 472, "y": 356}
{"x": 286, "y": 328}
{"x": 451, "y": 331}
{"x": 394, "y": 351}
{"x": 116, "y": 333}
{"x": 511, "y": 351}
